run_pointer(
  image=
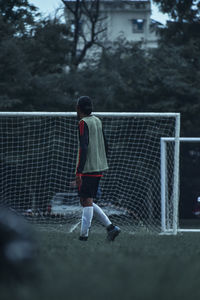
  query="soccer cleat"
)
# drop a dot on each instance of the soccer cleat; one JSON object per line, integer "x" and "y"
{"x": 113, "y": 233}
{"x": 83, "y": 238}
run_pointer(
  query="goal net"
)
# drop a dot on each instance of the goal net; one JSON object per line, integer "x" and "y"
{"x": 38, "y": 157}
{"x": 169, "y": 209}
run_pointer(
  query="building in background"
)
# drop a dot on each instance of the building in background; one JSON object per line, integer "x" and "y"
{"x": 130, "y": 20}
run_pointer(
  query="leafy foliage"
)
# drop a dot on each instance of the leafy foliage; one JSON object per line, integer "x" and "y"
{"x": 35, "y": 67}
{"x": 180, "y": 10}
{"x": 19, "y": 15}
{"x": 47, "y": 49}
{"x": 185, "y": 24}
{"x": 14, "y": 74}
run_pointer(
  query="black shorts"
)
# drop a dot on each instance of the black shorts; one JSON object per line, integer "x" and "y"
{"x": 89, "y": 186}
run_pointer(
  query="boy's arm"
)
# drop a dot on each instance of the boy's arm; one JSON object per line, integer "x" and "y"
{"x": 83, "y": 150}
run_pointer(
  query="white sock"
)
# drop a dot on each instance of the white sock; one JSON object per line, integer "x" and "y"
{"x": 101, "y": 215}
{"x": 87, "y": 216}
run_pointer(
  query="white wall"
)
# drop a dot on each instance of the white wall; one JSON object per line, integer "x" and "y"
{"x": 118, "y": 21}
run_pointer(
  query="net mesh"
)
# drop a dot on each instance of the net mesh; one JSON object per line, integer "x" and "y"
{"x": 38, "y": 158}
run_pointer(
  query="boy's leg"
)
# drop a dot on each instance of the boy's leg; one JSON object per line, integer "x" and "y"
{"x": 87, "y": 216}
{"x": 101, "y": 215}
{"x": 112, "y": 231}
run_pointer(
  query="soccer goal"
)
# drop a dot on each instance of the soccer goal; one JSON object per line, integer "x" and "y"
{"x": 38, "y": 157}
{"x": 169, "y": 206}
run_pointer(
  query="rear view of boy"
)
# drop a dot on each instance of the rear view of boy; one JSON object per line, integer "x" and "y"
{"x": 91, "y": 164}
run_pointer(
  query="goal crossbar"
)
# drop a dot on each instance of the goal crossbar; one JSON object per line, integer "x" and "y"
{"x": 106, "y": 114}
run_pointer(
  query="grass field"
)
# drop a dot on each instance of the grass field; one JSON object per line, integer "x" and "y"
{"x": 132, "y": 267}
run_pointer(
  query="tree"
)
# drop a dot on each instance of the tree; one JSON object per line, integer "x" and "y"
{"x": 14, "y": 74}
{"x": 16, "y": 23}
{"x": 18, "y": 15}
{"x": 185, "y": 24}
{"x": 86, "y": 25}
{"x": 33, "y": 54}
{"x": 48, "y": 47}
{"x": 180, "y": 10}
{"x": 116, "y": 82}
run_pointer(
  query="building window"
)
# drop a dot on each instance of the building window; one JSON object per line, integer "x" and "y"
{"x": 138, "y": 25}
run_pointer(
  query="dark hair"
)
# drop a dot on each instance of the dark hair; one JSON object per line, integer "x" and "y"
{"x": 85, "y": 105}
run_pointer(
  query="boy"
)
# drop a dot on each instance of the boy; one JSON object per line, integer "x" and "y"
{"x": 92, "y": 161}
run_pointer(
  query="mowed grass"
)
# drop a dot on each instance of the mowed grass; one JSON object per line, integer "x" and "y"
{"x": 132, "y": 267}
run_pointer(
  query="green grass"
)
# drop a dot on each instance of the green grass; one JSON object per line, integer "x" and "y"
{"x": 133, "y": 267}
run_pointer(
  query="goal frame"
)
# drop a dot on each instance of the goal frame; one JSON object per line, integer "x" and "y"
{"x": 176, "y": 228}
{"x": 106, "y": 114}
{"x": 175, "y": 138}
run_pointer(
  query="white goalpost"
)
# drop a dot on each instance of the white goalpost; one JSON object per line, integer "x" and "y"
{"x": 166, "y": 202}
{"x": 38, "y": 158}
